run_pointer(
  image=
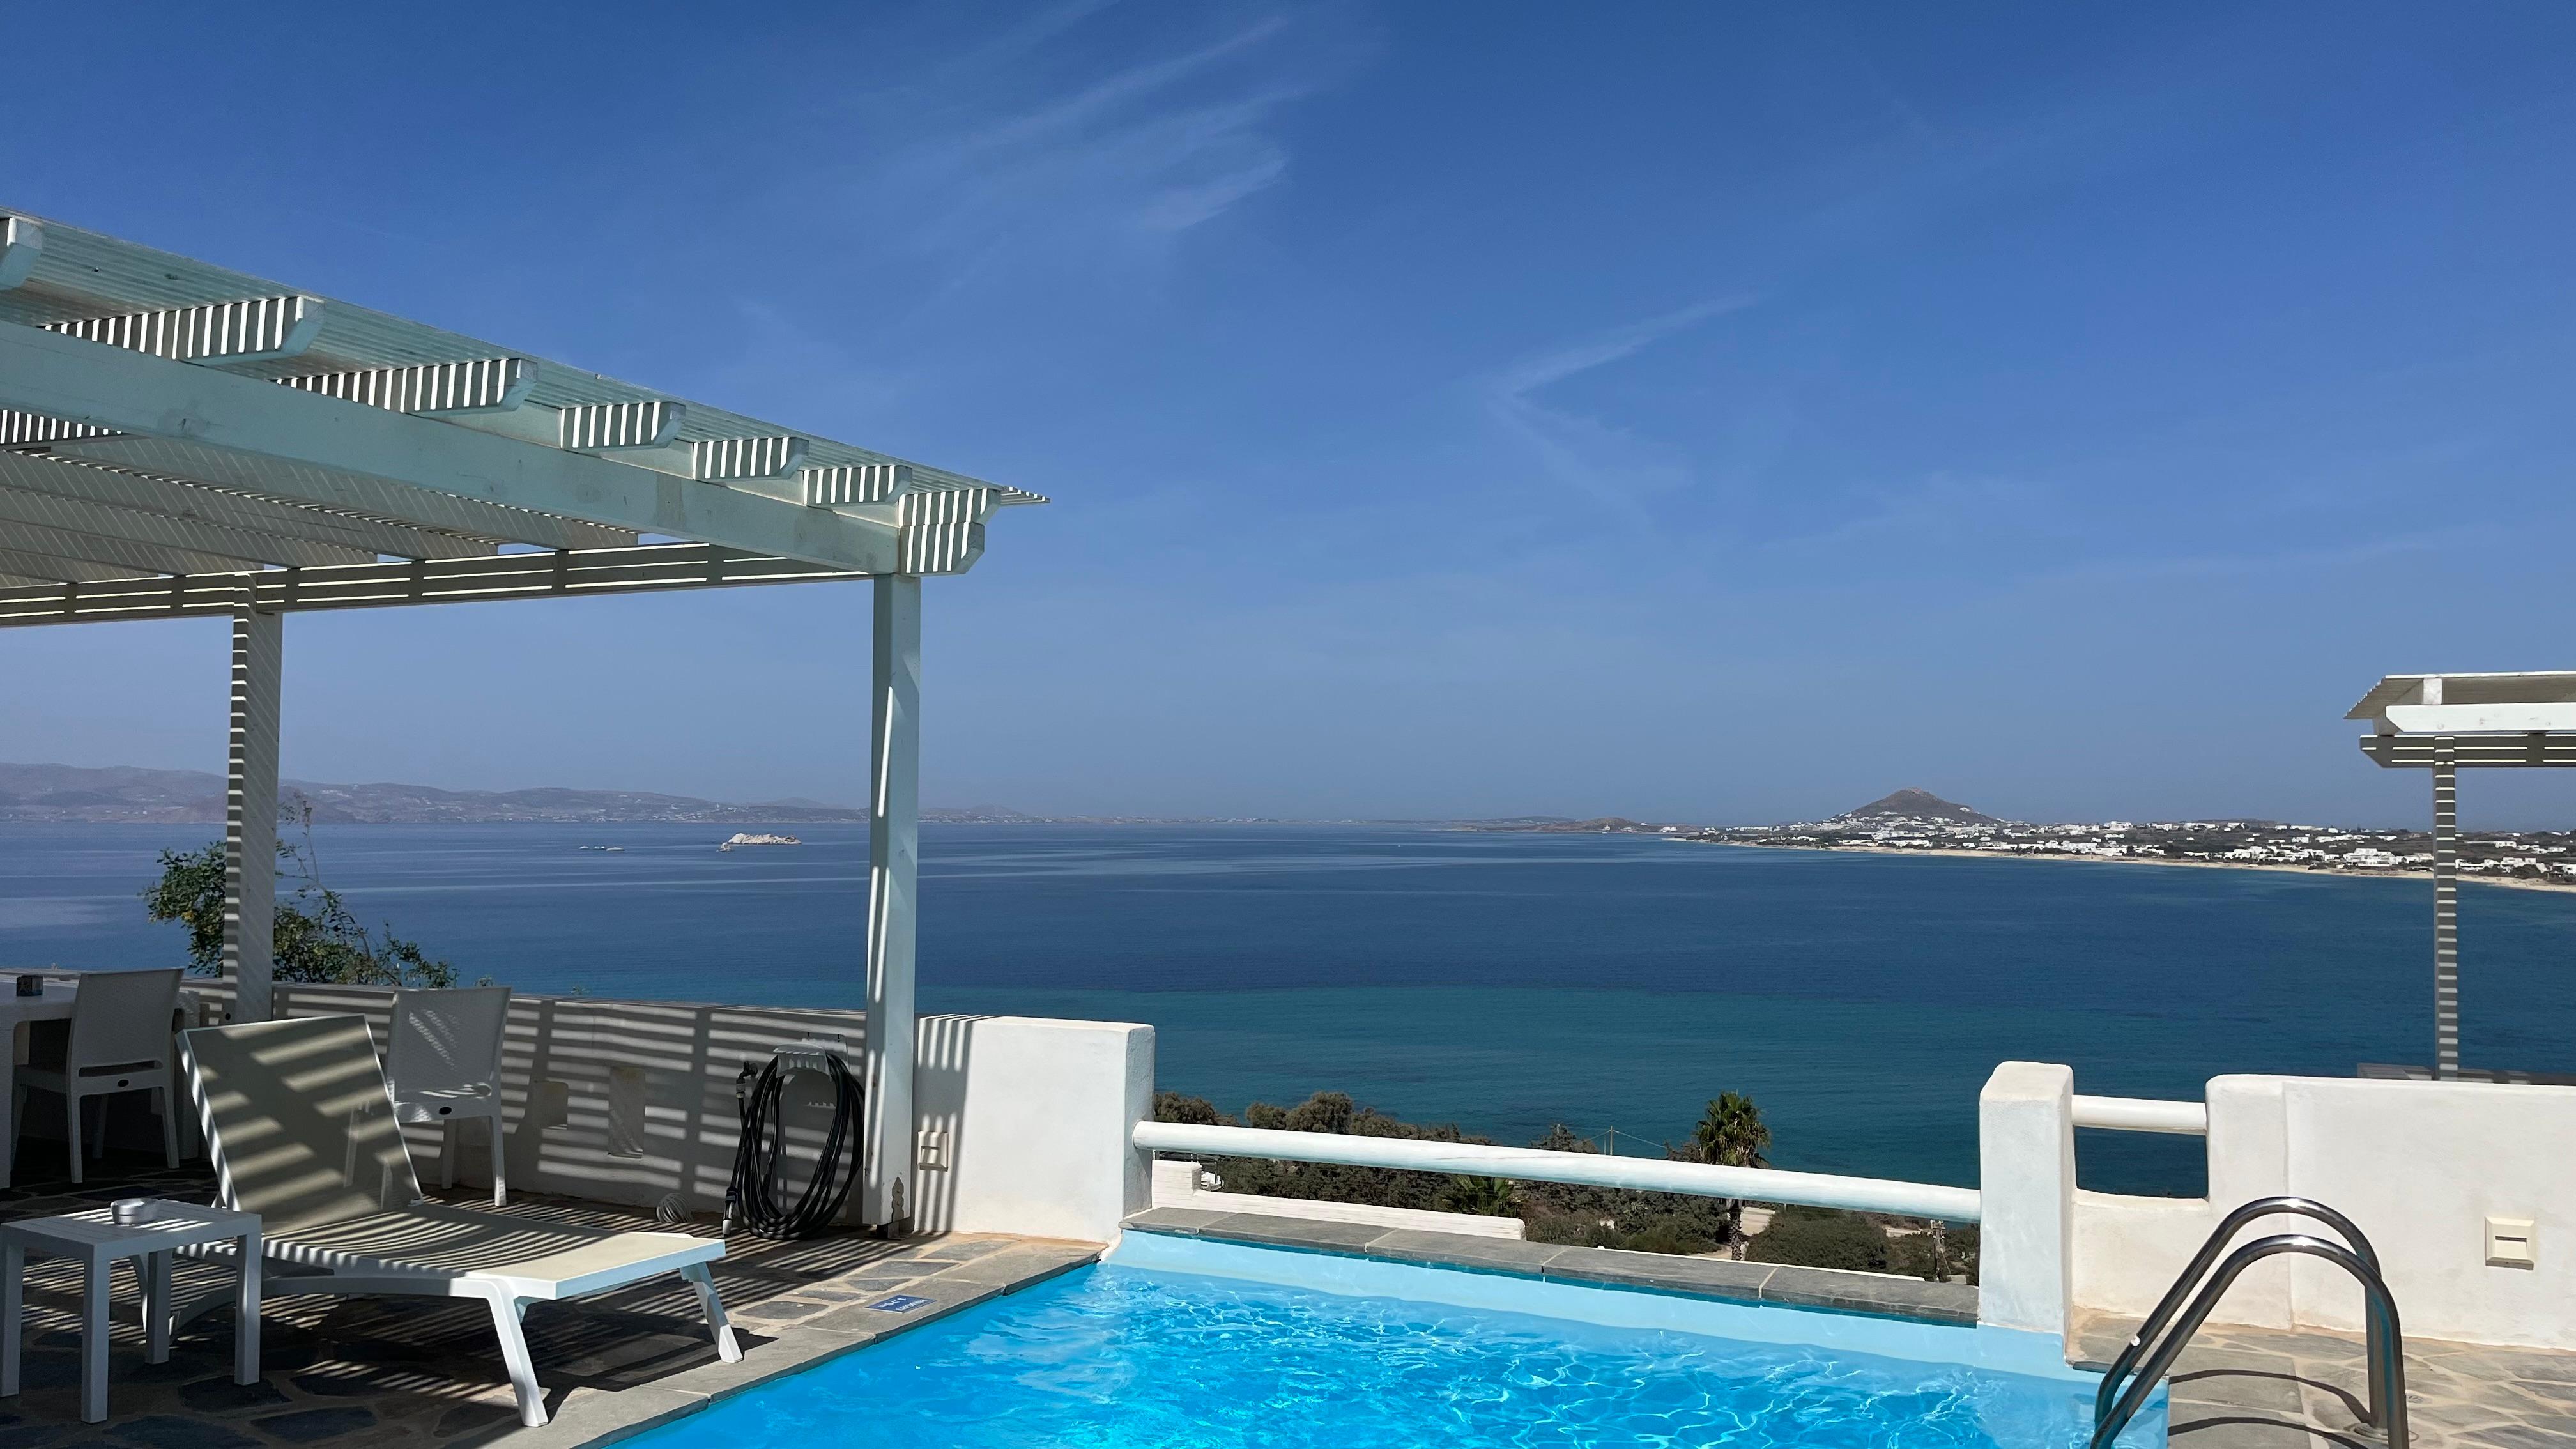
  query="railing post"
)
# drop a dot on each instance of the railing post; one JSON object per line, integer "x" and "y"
{"x": 2026, "y": 1184}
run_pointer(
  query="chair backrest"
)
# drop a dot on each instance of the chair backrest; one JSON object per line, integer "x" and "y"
{"x": 122, "y": 1017}
{"x": 447, "y": 1039}
{"x": 298, "y": 1120}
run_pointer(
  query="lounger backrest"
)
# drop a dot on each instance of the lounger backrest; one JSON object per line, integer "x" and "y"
{"x": 298, "y": 1120}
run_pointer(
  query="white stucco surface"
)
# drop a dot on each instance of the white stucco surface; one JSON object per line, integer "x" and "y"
{"x": 1036, "y": 1114}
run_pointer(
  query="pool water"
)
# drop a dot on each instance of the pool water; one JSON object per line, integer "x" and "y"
{"x": 1122, "y": 1357}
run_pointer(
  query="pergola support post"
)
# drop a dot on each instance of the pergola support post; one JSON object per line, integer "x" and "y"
{"x": 894, "y": 836}
{"x": 250, "y": 812}
{"x": 2446, "y": 911}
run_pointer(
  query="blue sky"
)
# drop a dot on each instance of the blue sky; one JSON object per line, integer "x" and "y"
{"x": 1694, "y": 412}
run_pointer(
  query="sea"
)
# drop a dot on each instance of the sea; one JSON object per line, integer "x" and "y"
{"x": 1504, "y": 982}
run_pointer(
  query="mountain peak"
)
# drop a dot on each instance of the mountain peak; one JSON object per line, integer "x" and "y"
{"x": 1917, "y": 805}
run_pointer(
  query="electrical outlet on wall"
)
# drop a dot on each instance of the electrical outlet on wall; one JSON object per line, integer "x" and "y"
{"x": 2512, "y": 1243}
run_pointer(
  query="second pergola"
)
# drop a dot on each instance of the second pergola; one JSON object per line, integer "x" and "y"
{"x": 178, "y": 440}
{"x": 2445, "y": 723}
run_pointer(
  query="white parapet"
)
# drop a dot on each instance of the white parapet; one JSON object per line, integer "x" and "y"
{"x": 2026, "y": 1169}
{"x": 1532, "y": 1164}
{"x": 2426, "y": 1169}
{"x": 1026, "y": 1120}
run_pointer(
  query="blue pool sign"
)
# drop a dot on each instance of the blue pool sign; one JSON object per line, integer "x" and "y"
{"x": 900, "y": 1303}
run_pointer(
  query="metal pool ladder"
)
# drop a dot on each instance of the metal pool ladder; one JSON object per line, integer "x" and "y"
{"x": 2162, "y": 1337}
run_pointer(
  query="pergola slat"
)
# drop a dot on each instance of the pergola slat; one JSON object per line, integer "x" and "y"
{"x": 197, "y": 536}
{"x": 65, "y": 478}
{"x": 24, "y": 564}
{"x": 352, "y": 493}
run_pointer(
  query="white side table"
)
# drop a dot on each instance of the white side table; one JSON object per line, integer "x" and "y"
{"x": 98, "y": 1241}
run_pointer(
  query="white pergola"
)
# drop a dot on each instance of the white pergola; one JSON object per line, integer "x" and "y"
{"x": 178, "y": 440}
{"x": 2442, "y": 723}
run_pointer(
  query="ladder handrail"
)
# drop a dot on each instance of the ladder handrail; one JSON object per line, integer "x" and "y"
{"x": 2190, "y": 1279}
{"x": 2388, "y": 1344}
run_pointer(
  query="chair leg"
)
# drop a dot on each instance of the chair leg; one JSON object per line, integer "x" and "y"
{"x": 169, "y": 1126}
{"x": 447, "y": 1153}
{"x": 500, "y": 1175}
{"x": 72, "y": 1127}
{"x": 98, "y": 1127}
{"x": 514, "y": 1354}
{"x": 699, "y": 1278}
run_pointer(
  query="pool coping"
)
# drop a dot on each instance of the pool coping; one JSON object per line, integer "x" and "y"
{"x": 589, "y": 1417}
{"x": 1782, "y": 1284}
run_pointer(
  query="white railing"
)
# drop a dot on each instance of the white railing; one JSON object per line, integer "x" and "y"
{"x": 2143, "y": 1114}
{"x": 1593, "y": 1169}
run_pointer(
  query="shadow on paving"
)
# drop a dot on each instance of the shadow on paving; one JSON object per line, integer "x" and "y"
{"x": 344, "y": 1371}
{"x": 2237, "y": 1387}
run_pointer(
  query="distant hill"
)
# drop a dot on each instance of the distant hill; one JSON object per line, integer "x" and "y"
{"x": 1915, "y": 805}
{"x": 59, "y": 793}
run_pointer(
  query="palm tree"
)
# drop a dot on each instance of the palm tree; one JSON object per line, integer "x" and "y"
{"x": 1493, "y": 1197}
{"x": 1730, "y": 1134}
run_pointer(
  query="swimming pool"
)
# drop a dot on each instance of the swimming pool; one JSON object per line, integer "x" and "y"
{"x": 1153, "y": 1349}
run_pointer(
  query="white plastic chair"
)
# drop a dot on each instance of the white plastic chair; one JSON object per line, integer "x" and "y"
{"x": 119, "y": 1041}
{"x": 444, "y": 1062}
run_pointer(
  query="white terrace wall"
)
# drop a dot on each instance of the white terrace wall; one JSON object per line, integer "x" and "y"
{"x": 2419, "y": 1166}
{"x": 631, "y": 1101}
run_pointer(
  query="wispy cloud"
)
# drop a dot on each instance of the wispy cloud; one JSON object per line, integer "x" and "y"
{"x": 1612, "y": 464}
{"x": 1025, "y": 141}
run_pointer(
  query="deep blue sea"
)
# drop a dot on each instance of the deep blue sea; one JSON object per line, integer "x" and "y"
{"x": 1500, "y": 981}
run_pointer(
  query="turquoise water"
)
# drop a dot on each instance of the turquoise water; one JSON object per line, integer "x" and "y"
{"x": 1121, "y": 1358}
{"x": 1500, "y": 981}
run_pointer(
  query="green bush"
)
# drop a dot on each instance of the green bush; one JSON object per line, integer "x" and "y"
{"x": 1554, "y": 1212}
{"x": 1667, "y": 1237}
{"x": 1820, "y": 1238}
{"x": 1953, "y": 1254}
{"x": 314, "y": 935}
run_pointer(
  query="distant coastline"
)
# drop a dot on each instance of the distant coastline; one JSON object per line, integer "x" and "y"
{"x": 2409, "y": 873}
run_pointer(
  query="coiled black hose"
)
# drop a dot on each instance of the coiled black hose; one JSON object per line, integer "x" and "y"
{"x": 752, "y": 1200}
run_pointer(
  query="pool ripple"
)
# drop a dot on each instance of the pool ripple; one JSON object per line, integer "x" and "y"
{"x": 1124, "y": 1358}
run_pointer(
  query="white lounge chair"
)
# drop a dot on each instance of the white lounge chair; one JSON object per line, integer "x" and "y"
{"x": 303, "y": 1131}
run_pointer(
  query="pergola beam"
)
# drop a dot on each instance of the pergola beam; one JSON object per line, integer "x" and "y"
{"x": 133, "y": 392}
{"x": 217, "y": 334}
{"x": 2480, "y": 752}
{"x": 649, "y": 568}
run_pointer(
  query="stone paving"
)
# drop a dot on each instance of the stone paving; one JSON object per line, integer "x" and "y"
{"x": 355, "y": 1373}
{"x": 2255, "y": 1388}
